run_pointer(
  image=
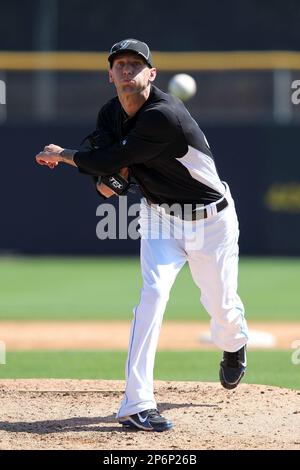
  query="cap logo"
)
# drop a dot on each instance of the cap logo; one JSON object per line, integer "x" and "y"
{"x": 125, "y": 44}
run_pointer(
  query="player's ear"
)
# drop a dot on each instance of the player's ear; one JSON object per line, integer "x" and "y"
{"x": 152, "y": 74}
{"x": 110, "y": 77}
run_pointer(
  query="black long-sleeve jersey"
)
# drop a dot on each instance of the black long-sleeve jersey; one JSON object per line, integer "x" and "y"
{"x": 162, "y": 144}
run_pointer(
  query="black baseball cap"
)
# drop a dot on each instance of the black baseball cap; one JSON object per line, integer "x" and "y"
{"x": 131, "y": 45}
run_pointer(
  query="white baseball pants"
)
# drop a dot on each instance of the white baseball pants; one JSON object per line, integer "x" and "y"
{"x": 213, "y": 261}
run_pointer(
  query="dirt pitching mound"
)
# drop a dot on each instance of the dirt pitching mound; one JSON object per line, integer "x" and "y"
{"x": 80, "y": 414}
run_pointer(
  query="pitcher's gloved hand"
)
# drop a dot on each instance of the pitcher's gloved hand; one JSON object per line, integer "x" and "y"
{"x": 117, "y": 183}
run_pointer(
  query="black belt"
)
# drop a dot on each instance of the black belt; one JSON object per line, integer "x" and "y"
{"x": 200, "y": 213}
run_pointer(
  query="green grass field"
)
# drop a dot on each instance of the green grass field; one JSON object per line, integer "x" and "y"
{"x": 108, "y": 288}
{"x": 267, "y": 367}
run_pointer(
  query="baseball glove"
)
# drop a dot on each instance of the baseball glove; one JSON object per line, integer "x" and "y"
{"x": 118, "y": 183}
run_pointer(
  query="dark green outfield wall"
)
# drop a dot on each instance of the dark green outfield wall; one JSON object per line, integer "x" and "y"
{"x": 166, "y": 25}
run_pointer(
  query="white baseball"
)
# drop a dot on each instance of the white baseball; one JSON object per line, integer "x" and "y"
{"x": 183, "y": 86}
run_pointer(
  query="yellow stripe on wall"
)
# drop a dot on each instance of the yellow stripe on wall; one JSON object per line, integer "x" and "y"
{"x": 164, "y": 61}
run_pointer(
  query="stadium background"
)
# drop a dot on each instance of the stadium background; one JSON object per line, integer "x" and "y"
{"x": 246, "y": 55}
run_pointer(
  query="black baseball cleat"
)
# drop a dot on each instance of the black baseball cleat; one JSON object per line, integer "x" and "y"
{"x": 148, "y": 420}
{"x": 232, "y": 368}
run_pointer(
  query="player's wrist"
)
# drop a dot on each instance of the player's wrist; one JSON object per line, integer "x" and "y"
{"x": 66, "y": 156}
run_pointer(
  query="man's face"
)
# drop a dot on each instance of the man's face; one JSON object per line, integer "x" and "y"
{"x": 130, "y": 74}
